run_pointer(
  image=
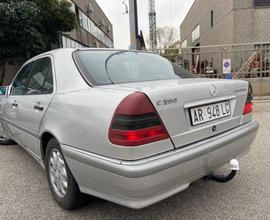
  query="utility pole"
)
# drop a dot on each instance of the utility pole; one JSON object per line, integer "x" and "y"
{"x": 133, "y": 23}
{"x": 152, "y": 24}
{"x": 136, "y": 38}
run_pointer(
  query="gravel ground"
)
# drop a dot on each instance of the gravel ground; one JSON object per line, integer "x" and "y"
{"x": 24, "y": 193}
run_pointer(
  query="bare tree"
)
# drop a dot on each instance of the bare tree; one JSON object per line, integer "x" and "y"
{"x": 166, "y": 37}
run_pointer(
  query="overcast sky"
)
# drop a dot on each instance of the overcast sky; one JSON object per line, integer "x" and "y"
{"x": 168, "y": 12}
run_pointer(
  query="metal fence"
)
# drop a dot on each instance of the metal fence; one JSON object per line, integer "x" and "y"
{"x": 247, "y": 61}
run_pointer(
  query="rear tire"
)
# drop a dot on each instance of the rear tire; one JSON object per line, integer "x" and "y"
{"x": 62, "y": 184}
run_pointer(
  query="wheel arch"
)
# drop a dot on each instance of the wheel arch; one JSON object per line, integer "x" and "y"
{"x": 44, "y": 139}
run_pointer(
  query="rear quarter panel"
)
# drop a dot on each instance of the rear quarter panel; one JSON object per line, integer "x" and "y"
{"x": 81, "y": 119}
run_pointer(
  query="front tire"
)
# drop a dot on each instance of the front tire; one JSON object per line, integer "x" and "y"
{"x": 6, "y": 141}
{"x": 62, "y": 184}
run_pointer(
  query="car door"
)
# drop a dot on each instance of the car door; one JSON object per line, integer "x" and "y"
{"x": 10, "y": 105}
{"x": 34, "y": 103}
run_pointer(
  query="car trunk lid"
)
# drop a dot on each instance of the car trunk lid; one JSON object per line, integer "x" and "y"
{"x": 177, "y": 100}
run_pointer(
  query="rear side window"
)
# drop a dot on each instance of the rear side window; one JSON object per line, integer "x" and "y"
{"x": 19, "y": 86}
{"x": 41, "y": 81}
{"x": 116, "y": 67}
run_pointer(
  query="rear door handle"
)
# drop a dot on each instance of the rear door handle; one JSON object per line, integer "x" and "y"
{"x": 15, "y": 104}
{"x": 38, "y": 107}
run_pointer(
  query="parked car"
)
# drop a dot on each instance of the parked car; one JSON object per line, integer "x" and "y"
{"x": 121, "y": 125}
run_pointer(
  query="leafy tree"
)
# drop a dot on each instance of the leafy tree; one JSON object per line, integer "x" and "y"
{"x": 172, "y": 52}
{"x": 19, "y": 36}
{"x": 29, "y": 27}
{"x": 18, "y": 32}
{"x": 55, "y": 16}
{"x": 166, "y": 36}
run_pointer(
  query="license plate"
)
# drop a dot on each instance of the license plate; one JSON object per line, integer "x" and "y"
{"x": 203, "y": 114}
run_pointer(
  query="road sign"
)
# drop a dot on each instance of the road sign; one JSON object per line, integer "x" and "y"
{"x": 226, "y": 66}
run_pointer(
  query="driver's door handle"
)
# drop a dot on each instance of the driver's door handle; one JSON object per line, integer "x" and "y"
{"x": 15, "y": 104}
{"x": 38, "y": 107}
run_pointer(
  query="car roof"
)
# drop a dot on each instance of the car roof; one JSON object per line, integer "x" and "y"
{"x": 59, "y": 51}
{"x": 70, "y": 50}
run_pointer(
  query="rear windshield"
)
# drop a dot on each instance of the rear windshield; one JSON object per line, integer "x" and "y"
{"x": 116, "y": 67}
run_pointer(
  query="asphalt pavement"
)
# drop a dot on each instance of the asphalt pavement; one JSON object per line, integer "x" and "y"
{"x": 24, "y": 193}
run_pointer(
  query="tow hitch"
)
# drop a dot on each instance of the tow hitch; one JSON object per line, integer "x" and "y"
{"x": 234, "y": 166}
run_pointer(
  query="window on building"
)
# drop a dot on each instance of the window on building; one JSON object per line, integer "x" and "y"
{"x": 90, "y": 7}
{"x": 69, "y": 43}
{"x": 87, "y": 24}
{"x": 108, "y": 29}
{"x": 101, "y": 23}
{"x": 196, "y": 34}
{"x": 212, "y": 18}
{"x": 184, "y": 44}
{"x": 81, "y": 18}
{"x": 261, "y": 3}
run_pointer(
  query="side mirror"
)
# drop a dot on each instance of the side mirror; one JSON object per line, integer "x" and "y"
{"x": 3, "y": 90}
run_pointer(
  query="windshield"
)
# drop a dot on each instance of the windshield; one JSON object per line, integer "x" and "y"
{"x": 116, "y": 67}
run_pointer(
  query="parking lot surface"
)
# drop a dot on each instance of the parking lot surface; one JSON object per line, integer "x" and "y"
{"x": 24, "y": 193}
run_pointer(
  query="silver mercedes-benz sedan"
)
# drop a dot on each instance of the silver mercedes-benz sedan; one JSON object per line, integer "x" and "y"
{"x": 124, "y": 126}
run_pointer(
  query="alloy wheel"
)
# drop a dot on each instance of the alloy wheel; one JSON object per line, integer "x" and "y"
{"x": 58, "y": 173}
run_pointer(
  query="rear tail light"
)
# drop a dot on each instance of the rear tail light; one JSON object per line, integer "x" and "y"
{"x": 249, "y": 105}
{"x": 248, "y": 108}
{"x": 136, "y": 122}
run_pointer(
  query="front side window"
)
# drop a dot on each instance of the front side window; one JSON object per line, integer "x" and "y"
{"x": 41, "y": 78}
{"x": 116, "y": 67}
{"x": 19, "y": 86}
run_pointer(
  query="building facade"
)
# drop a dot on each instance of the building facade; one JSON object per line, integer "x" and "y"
{"x": 214, "y": 30}
{"x": 221, "y": 37}
{"x": 219, "y": 22}
{"x": 93, "y": 28}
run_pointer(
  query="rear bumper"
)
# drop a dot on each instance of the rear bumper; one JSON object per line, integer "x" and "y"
{"x": 140, "y": 183}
